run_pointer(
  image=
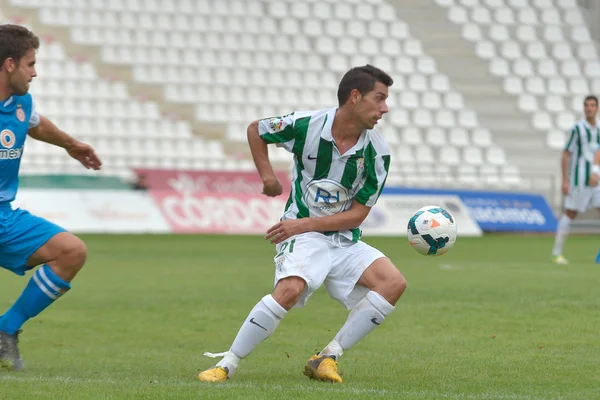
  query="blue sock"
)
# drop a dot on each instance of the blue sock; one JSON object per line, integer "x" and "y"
{"x": 43, "y": 288}
{"x": 598, "y": 257}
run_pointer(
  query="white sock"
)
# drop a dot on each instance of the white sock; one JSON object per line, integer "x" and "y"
{"x": 564, "y": 225}
{"x": 260, "y": 324}
{"x": 364, "y": 317}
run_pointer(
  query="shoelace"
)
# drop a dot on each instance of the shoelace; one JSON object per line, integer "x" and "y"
{"x": 16, "y": 335}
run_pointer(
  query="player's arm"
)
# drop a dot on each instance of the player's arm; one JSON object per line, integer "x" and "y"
{"x": 349, "y": 219}
{"x": 46, "y": 131}
{"x": 260, "y": 155}
{"x": 277, "y": 130}
{"x": 595, "y": 175}
{"x": 566, "y": 155}
{"x": 564, "y": 163}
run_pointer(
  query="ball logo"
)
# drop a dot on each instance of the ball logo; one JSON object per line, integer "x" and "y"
{"x": 7, "y": 138}
{"x": 20, "y": 114}
{"x": 326, "y": 197}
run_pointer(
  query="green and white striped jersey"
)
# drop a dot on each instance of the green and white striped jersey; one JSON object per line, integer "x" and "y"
{"x": 325, "y": 182}
{"x": 583, "y": 143}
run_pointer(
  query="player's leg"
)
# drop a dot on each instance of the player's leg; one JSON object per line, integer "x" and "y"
{"x": 294, "y": 285}
{"x": 380, "y": 286}
{"x": 596, "y": 205}
{"x": 260, "y": 323}
{"x": 562, "y": 231}
{"x": 576, "y": 201}
{"x": 386, "y": 284}
{"x": 35, "y": 241}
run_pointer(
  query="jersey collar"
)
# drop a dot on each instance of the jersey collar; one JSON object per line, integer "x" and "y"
{"x": 7, "y": 102}
{"x": 587, "y": 124}
{"x": 326, "y": 133}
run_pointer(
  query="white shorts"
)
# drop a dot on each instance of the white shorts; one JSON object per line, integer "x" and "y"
{"x": 333, "y": 260}
{"x": 581, "y": 198}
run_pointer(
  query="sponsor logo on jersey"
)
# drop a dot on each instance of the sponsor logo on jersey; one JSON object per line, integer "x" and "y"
{"x": 11, "y": 154}
{"x": 591, "y": 152}
{"x": 326, "y": 197}
{"x": 8, "y": 140}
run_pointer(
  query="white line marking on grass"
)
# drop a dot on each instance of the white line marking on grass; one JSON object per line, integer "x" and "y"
{"x": 316, "y": 387}
{"x": 448, "y": 267}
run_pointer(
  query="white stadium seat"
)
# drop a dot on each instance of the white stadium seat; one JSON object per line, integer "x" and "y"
{"x": 239, "y": 60}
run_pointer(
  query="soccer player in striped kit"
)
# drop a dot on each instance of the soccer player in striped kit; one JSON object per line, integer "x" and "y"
{"x": 340, "y": 167}
{"x": 577, "y": 163}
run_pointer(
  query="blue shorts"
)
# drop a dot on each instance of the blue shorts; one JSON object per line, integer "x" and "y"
{"x": 21, "y": 235}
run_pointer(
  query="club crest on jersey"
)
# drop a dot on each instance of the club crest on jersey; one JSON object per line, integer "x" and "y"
{"x": 276, "y": 124}
{"x": 7, "y": 138}
{"x": 20, "y": 114}
{"x": 360, "y": 165}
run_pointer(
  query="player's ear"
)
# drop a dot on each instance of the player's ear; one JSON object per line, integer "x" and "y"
{"x": 9, "y": 65}
{"x": 355, "y": 96}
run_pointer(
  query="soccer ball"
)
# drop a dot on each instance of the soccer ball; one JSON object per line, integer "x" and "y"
{"x": 432, "y": 231}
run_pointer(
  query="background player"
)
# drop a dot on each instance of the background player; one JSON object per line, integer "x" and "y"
{"x": 341, "y": 165}
{"x": 577, "y": 161}
{"x": 26, "y": 240}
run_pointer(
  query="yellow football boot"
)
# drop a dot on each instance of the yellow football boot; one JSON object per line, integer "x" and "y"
{"x": 214, "y": 374}
{"x": 323, "y": 368}
{"x": 561, "y": 260}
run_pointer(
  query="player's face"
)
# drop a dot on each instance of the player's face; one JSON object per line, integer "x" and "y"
{"x": 591, "y": 109}
{"x": 22, "y": 73}
{"x": 372, "y": 105}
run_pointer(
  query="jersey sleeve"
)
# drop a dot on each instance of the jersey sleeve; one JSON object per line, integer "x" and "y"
{"x": 377, "y": 172}
{"x": 34, "y": 118}
{"x": 278, "y": 130}
{"x": 573, "y": 141}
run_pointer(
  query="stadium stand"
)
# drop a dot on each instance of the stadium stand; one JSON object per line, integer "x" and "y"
{"x": 206, "y": 68}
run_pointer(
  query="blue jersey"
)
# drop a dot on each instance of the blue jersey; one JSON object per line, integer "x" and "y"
{"x": 17, "y": 116}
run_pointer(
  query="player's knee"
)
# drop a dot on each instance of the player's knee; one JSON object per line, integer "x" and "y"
{"x": 74, "y": 253}
{"x": 399, "y": 284}
{"x": 288, "y": 291}
{"x": 571, "y": 214}
{"x": 395, "y": 286}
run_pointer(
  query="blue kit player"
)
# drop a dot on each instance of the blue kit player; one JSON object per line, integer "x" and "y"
{"x": 27, "y": 241}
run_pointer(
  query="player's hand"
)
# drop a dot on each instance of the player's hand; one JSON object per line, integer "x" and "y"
{"x": 85, "y": 154}
{"x": 284, "y": 230}
{"x": 272, "y": 187}
{"x": 593, "y": 180}
{"x": 565, "y": 188}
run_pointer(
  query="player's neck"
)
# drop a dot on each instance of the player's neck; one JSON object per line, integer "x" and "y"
{"x": 5, "y": 91}
{"x": 345, "y": 127}
{"x": 591, "y": 121}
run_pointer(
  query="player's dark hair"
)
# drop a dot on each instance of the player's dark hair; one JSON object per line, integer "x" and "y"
{"x": 15, "y": 41}
{"x": 591, "y": 97}
{"x": 362, "y": 79}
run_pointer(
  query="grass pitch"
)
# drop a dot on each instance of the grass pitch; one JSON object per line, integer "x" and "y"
{"x": 492, "y": 319}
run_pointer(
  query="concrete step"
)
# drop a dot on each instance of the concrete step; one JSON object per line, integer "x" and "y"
{"x": 473, "y": 89}
{"x": 469, "y": 74}
{"x": 532, "y": 164}
{"x": 499, "y": 123}
{"x": 518, "y": 143}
